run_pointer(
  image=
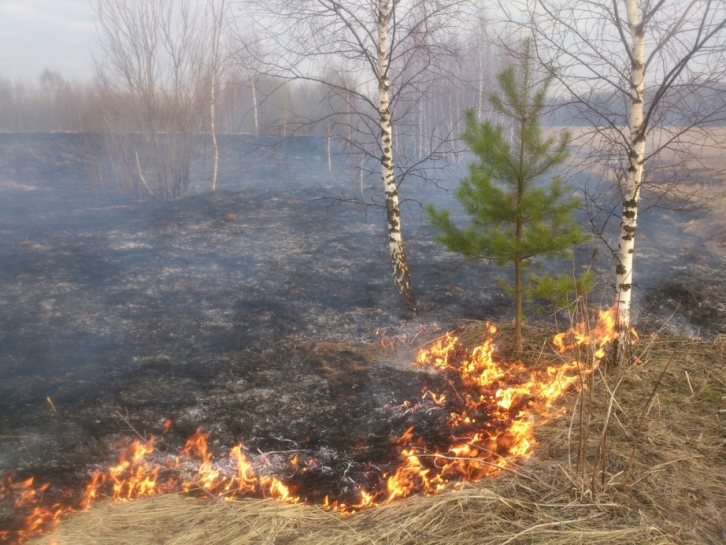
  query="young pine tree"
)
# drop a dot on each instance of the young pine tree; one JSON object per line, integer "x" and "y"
{"x": 514, "y": 219}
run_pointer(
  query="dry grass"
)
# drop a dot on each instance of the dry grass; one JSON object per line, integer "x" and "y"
{"x": 676, "y": 494}
{"x": 472, "y": 515}
{"x": 697, "y": 163}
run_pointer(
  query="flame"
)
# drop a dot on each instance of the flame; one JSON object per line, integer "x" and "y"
{"x": 493, "y": 410}
{"x": 38, "y": 516}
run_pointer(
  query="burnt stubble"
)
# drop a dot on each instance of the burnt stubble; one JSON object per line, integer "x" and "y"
{"x": 236, "y": 313}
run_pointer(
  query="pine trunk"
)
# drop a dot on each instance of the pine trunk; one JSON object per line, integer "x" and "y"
{"x": 401, "y": 275}
{"x": 634, "y": 178}
{"x": 518, "y": 308}
{"x": 520, "y": 220}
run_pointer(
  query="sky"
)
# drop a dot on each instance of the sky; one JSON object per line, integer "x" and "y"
{"x": 38, "y": 34}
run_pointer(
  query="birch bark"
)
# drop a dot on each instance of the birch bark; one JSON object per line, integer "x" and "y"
{"x": 211, "y": 119}
{"x": 254, "y": 103}
{"x": 600, "y": 49}
{"x": 634, "y": 178}
{"x": 401, "y": 275}
{"x": 217, "y": 14}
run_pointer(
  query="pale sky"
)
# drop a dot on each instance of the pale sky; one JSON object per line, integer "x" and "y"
{"x": 38, "y": 34}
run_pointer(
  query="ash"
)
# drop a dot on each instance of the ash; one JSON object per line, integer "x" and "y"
{"x": 236, "y": 313}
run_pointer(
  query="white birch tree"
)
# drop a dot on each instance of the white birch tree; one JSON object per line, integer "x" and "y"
{"x": 378, "y": 55}
{"x": 649, "y": 76}
{"x": 217, "y": 12}
{"x": 248, "y": 58}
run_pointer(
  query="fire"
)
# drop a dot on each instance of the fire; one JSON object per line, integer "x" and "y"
{"x": 38, "y": 514}
{"x": 493, "y": 409}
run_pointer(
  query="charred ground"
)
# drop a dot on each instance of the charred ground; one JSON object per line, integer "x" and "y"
{"x": 232, "y": 312}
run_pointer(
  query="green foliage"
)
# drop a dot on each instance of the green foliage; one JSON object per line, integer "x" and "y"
{"x": 514, "y": 217}
{"x": 545, "y": 216}
{"x": 562, "y": 289}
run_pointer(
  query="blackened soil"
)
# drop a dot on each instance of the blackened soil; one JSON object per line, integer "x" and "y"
{"x": 237, "y": 313}
{"x": 692, "y": 298}
{"x": 208, "y": 311}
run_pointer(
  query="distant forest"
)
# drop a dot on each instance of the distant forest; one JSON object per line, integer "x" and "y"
{"x": 53, "y": 103}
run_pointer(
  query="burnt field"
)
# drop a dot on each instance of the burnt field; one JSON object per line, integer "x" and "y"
{"x": 243, "y": 313}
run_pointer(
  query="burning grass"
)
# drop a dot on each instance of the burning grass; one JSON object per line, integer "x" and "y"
{"x": 676, "y": 491}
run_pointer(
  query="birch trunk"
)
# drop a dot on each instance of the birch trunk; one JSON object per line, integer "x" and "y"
{"x": 458, "y": 122}
{"x": 213, "y": 128}
{"x": 254, "y": 104}
{"x": 480, "y": 106}
{"x": 634, "y": 178}
{"x": 401, "y": 275}
{"x": 481, "y": 77}
{"x": 452, "y": 149}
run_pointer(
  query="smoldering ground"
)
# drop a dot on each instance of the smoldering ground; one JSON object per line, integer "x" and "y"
{"x": 223, "y": 311}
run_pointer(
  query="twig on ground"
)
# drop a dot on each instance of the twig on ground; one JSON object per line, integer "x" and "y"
{"x": 122, "y": 274}
{"x": 476, "y": 460}
{"x": 688, "y": 379}
{"x": 520, "y": 469}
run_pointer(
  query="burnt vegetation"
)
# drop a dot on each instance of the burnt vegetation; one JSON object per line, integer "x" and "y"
{"x": 210, "y": 249}
{"x": 250, "y": 314}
